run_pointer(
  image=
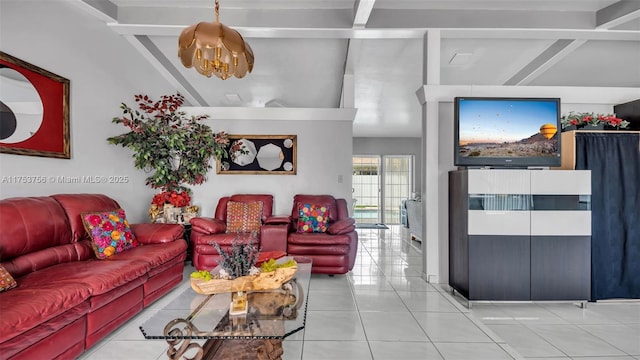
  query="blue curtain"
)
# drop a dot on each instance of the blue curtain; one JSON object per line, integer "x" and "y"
{"x": 614, "y": 161}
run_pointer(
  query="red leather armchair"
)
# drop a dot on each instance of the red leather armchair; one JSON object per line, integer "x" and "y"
{"x": 333, "y": 252}
{"x": 205, "y": 231}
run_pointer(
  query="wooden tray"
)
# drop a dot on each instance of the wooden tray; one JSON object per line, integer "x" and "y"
{"x": 263, "y": 281}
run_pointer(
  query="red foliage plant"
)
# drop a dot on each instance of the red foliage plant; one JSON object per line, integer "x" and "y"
{"x": 175, "y": 198}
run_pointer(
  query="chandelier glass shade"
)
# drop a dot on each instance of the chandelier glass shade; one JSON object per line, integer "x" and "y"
{"x": 215, "y": 49}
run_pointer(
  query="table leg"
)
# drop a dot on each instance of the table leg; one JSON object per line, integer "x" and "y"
{"x": 177, "y": 348}
{"x": 260, "y": 349}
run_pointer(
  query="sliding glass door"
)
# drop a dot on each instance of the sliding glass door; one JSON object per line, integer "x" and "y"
{"x": 366, "y": 189}
{"x": 380, "y": 183}
{"x": 397, "y": 175}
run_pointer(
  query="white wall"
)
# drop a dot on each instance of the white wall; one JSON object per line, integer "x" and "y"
{"x": 105, "y": 70}
{"x": 323, "y": 156}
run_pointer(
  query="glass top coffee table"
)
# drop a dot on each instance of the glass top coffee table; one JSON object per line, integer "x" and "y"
{"x": 271, "y": 316}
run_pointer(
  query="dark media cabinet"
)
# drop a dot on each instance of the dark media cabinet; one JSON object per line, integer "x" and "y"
{"x": 520, "y": 235}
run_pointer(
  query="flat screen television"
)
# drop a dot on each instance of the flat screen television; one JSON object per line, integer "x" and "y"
{"x": 507, "y": 132}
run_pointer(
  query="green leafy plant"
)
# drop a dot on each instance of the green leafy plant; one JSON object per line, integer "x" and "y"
{"x": 175, "y": 148}
{"x": 584, "y": 119}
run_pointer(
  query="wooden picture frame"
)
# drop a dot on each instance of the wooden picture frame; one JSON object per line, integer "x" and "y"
{"x": 260, "y": 155}
{"x": 34, "y": 104}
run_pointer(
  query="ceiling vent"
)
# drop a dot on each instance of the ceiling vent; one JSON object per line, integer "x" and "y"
{"x": 233, "y": 99}
{"x": 461, "y": 58}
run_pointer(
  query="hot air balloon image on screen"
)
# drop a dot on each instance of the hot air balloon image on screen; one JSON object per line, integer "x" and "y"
{"x": 511, "y": 132}
{"x": 548, "y": 130}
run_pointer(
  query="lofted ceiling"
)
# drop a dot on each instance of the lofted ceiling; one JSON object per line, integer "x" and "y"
{"x": 369, "y": 54}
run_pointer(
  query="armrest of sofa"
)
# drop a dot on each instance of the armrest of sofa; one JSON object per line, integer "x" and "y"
{"x": 278, "y": 219}
{"x": 343, "y": 226}
{"x": 155, "y": 233}
{"x": 273, "y": 237}
{"x": 207, "y": 225}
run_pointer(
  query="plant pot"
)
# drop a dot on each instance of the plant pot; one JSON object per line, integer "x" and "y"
{"x": 590, "y": 127}
{"x": 171, "y": 213}
{"x": 611, "y": 127}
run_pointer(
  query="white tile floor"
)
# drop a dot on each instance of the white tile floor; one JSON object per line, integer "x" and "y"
{"x": 384, "y": 310}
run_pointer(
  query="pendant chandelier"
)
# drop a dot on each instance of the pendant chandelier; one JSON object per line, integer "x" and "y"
{"x": 215, "y": 49}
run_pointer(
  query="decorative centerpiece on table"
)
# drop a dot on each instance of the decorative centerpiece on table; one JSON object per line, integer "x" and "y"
{"x": 238, "y": 271}
{"x": 174, "y": 148}
{"x": 591, "y": 121}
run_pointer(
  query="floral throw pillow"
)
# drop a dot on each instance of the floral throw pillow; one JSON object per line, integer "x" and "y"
{"x": 109, "y": 232}
{"x": 244, "y": 217}
{"x": 6, "y": 280}
{"x": 313, "y": 218}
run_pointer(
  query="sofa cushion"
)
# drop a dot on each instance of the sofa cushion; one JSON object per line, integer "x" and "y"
{"x": 224, "y": 240}
{"x": 30, "y": 224}
{"x": 75, "y": 204}
{"x": 342, "y": 226}
{"x": 52, "y": 256}
{"x": 326, "y": 200}
{"x": 318, "y": 239}
{"x": 208, "y": 225}
{"x": 109, "y": 231}
{"x": 267, "y": 202}
{"x": 30, "y": 305}
{"x": 99, "y": 276}
{"x": 313, "y": 218}
{"x": 154, "y": 254}
{"x": 6, "y": 280}
{"x": 148, "y": 233}
{"x": 336, "y": 250}
{"x": 59, "y": 338}
{"x": 244, "y": 217}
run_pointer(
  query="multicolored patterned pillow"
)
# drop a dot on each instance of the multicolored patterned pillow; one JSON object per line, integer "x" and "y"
{"x": 244, "y": 217}
{"x": 313, "y": 218}
{"x": 6, "y": 280}
{"x": 109, "y": 232}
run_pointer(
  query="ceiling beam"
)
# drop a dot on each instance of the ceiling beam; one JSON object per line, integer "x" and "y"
{"x": 551, "y": 56}
{"x": 568, "y": 94}
{"x": 159, "y": 61}
{"x": 310, "y": 24}
{"x": 363, "y": 9}
{"x": 483, "y": 19}
{"x": 617, "y": 14}
{"x": 348, "y": 94}
{"x": 417, "y": 33}
{"x": 542, "y": 34}
{"x": 264, "y": 18}
{"x": 365, "y": 14}
{"x": 431, "y": 57}
{"x": 104, "y": 10}
{"x": 347, "y": 87}
{"x": 273, "y": 113}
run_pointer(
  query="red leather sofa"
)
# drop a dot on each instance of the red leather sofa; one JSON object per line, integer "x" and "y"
{"x": 206, "y": 230}
{"x": 333, "y": 252}
{"x": 67, "y": 299}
